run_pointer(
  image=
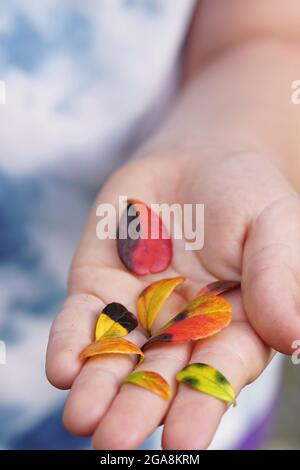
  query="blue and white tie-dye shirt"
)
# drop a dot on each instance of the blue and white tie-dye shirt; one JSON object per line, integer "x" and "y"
{"x": 80, "y": 78}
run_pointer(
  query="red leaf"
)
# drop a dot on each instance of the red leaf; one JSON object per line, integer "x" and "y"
{"x": 148, "y": 248}
{"x": 210, "y": 316}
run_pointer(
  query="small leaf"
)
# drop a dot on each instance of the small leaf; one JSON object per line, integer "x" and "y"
{"x": 110, "y": 346}
{"x": 144, "y": 246}
{"x": 207, "y": 379}
{"x": 151, "y": 381}
{"x": 151, "y": 299}
{"x": 218, "y": 287}
{"x": 215, "y": 288}
{"x": 115, "y": 321}
{"x": 212, "y": 314}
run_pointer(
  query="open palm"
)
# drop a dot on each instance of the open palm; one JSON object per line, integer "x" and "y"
{"x": 252, "y": 228}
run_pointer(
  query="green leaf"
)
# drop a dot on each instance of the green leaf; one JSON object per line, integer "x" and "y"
{"x": 207, "y": 379}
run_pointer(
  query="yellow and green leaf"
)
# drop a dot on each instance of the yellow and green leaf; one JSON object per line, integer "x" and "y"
{"x": 208, "y": 380}
{"x": 152, "y": 381}
{"x": 110, "y": 346}
{"x": 151, "y": 299}
{"x": 114, "y": 321}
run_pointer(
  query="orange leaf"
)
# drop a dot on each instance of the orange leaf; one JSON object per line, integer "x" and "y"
{"x": 151, "y": 381}
{"x": 151, "y": 299}
{"x": 110, "y": 346}
{"x": 212, "y": 314}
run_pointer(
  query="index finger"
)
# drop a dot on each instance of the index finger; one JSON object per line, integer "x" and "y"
{"x": 74, "y": 326}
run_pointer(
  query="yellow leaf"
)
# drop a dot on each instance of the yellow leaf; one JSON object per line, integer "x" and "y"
{"x": 115, "y": 321}
{"x": 151, "y": 300}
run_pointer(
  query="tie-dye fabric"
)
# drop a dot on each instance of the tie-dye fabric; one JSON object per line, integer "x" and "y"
{"x": 84, "y": 84}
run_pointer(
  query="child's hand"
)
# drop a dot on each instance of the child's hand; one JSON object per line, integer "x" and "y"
{"x": 252, "y": 233}
{"x": 236, "y": 97}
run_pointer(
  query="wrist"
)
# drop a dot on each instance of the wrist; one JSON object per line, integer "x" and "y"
{"x": 240, "y": 102}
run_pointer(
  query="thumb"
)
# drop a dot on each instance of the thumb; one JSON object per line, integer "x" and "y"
{"x": 271, "y": 274}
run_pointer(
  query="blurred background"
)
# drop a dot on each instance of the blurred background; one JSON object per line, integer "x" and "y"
{"x": 286, "y": 430}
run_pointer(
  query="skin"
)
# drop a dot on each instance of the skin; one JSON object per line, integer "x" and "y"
{"x": 230, "y": 141}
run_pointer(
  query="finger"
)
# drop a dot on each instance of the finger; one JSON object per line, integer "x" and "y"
{"x": 95, "y": 387}
{"x": 74, "y": 326}
{"x": 193, "y": 419}
{"x": 100, "y": 379}
{"x": 271, "y": 274}
{"x": 135, "y": 413}
{"x": 70, "y": 333}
